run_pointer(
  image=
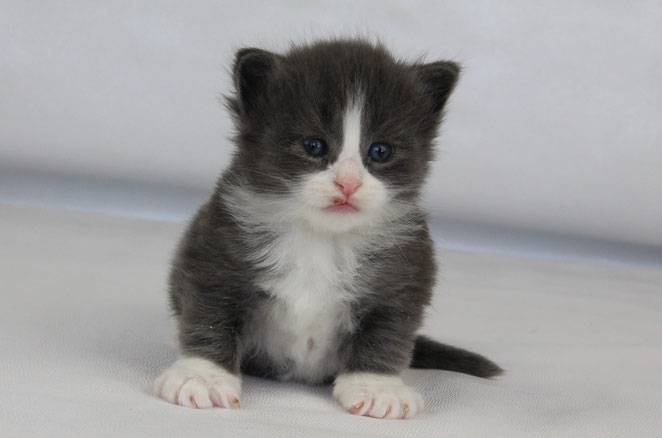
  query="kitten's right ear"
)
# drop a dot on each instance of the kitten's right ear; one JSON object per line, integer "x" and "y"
{"x": 252, "y": 68}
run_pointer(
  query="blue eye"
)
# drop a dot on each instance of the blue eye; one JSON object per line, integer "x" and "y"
{"x": 380, "y": 152}
{"x": 315, "y": 147}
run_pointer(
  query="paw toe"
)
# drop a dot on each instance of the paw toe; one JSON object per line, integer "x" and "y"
{"x": 194, "y": 393}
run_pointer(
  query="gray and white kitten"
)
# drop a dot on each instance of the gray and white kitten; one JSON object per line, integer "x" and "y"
{"x": 312, "y": 260}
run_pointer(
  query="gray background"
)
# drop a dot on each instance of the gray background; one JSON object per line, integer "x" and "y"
{"x": 551, "y": 143}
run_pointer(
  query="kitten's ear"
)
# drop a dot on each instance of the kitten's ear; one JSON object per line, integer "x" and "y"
{"x": 439, "y": 78}
{"x": 252, "y": 68}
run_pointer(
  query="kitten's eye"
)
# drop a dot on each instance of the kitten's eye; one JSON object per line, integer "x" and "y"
{"x": 380, "y": 152}
{"x": 315, "y": 147}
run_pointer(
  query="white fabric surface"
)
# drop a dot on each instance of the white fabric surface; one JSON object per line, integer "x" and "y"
{"x": 84, "y": 330}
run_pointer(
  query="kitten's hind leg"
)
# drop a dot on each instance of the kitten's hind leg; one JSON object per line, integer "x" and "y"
{"x": 195, "y": 382}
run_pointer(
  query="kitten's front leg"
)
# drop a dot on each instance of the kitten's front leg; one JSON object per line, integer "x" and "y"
{"x": 207, "y": 373}
{"x": 370, "y": 383}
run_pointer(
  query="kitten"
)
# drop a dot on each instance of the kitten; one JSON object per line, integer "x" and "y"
{"x": 312, "y": 260}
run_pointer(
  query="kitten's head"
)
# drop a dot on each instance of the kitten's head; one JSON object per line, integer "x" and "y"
{"x": 337, "y": 135}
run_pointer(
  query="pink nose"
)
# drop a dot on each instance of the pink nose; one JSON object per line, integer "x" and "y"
{"x": 348, "y": 187}
{"x": 349, "y": 176}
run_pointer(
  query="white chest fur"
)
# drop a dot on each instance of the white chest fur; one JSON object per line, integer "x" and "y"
{"x": 309, "y": 277}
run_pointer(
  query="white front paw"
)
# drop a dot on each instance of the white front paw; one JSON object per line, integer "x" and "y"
{"x": 198, "y": 383}
{"x": 376, "y": 395}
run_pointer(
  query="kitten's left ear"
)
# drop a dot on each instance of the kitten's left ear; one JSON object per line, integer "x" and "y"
{"x": 440, "y": 79}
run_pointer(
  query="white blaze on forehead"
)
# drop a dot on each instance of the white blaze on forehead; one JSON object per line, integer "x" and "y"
{"x": 352, "y": 130}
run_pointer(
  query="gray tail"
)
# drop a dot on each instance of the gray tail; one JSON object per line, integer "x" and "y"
{"x": 429, "y": 354}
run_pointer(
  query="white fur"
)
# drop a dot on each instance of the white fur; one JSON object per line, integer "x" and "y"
{"x": 352, "y": 130}
{"x": 198, "y": 383}
{"x": 309, "y": 275}
{"x": 377, "y": 395}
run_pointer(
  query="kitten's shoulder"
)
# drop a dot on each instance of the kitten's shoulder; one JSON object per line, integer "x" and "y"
{"x": 210, "y": 247}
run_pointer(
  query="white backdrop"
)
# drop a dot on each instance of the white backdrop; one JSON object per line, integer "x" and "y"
{"x": 555, "y": 125}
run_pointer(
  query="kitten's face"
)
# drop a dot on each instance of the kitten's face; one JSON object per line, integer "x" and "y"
{"x": 337, "y": 135}
{"x": 344, "y": 193}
